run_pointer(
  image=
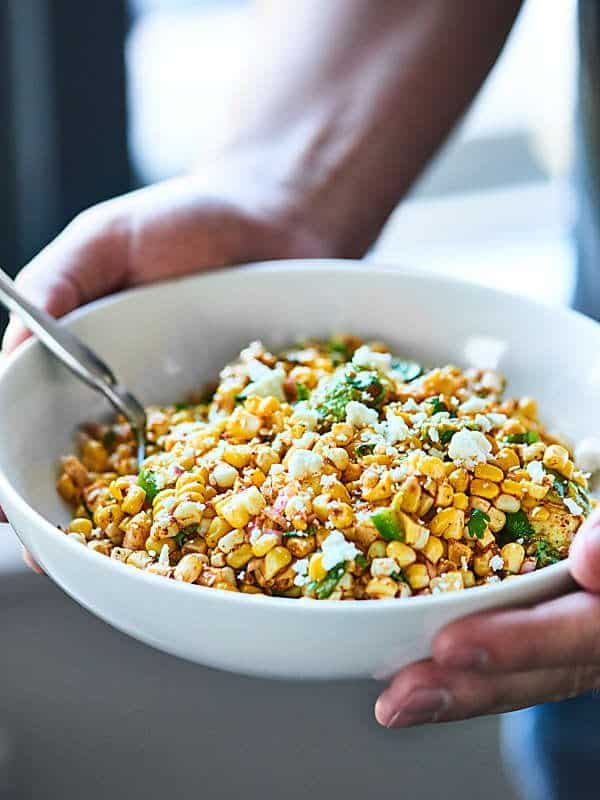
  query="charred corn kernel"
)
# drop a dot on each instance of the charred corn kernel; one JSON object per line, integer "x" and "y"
{"x": 555, "y": 457}
{"x": 533, "y": 452}
{"x": 94, "y": 455}
{"x": 449, "y": 523}
{"x": 217, "y": 528}
{"x": 196, "y": 545}
{"x": 265, "y": 458}
{"x": 444, "y": 496}
{"x": 514, "y": 488}
{"x": 409, "y": 497}
{"x": 252, "y": 500}
{"x": 484, "y": 488}
{"x": 434, "y": 549}
{"x": 155, "y": 546}
{"x": 321, "y": 506}
{"x": 81, "y": 525}
{"x": 139, "y": 559}
{"x": 402, "y": 553}
{"x": 432, "y": 467}
{"x": 337, "y": 491}
{"x": 381, "y": 588}
{"x": 459, "y": 479}
{"x": 338, "y": 456}
{"x": 238, "y": 456}
{"x": 103, "y": 546}
{"x": 341, "y": 515}
{"x": 451, "y": 581}
{"x": 240, "y": 557}
{"x": 233, "y": 511}
{"x": 242, "y": 425}
{"x": 134, "y": 500}
{"x": 224, "y": 475}
{"x": 417, "y": 576}
{"x": 485, "y": 540}
{"x": 468, "y": 578}
{"x": 263, "y": 543}
{"x": 415, "y": 535}
{"x": 528, "y": 407}
{"x": 66, "y": 488}
{"x": 77, "y": 537}
{"x": 120, "y": 553}
{"x": 276, "y": 559}
{"x": 106, "y": 515}
{"x": 481, "y": 564}
{"x": 459, "y": 553}
{"x": 487, "y": 472}
{"x": 461, "y": 501}
{"x": 231, "y": 540}
{"x": 536, "y": 491}
{"x": 381, "y": 491}
{"x": 343, "y": 433}
{"x": 513, "y": 555}
{"x": 497, "y": 519}
{"x": 376, "y": 550}
{"x": 540, "y": 514}
{"x": 316, "y": 570}
{"x": 189, "y": 568}
{"x": 506, "y": 458}
{"x": 188, "y": 513}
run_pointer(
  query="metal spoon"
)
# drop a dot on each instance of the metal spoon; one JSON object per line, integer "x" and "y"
{"x": 77, "y": 357}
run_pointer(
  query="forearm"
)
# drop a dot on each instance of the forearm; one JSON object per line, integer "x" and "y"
{"x": 354, "y": 96}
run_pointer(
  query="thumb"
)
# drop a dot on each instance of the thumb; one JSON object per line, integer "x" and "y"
{"x": 86, "y": 261}
{"x": 584, "y": 555}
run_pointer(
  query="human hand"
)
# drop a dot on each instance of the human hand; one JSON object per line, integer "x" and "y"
{"x": 500, "y": 661}
{"x": 229, "y": 215}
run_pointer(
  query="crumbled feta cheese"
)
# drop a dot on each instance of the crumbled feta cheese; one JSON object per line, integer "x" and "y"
{"x": 381, "y": 567}
{"x": 536, "y": 471}
{"x": 418, "y": 418}
{"x": 305, "y": 415}
{"x": 265, "y": 382}
{"x": 304, "y": 463}
{"x": 492, "y": 381}
{"x": 163, "y": 558}
{"x": 336, "y": 548}
{"x": 587, "y": 454}
{"x": 484, "y": 424}
{"x": 496, "y": 563}
{"x": 306, "y": 441}
{"x": 469, "y": 447}
{"x": 410, "y": 405}
{"x": 276, "y": 469}
{"x": 434, "y": 435}
{"x": 573, "y": 507}
{"x": 301, "y": 569}
{"x": 496, "y": 420}
{"x": 474, "y": 404}
{"x": 440, "y": 417}
{"x": 365, "y": 357}
{"x": 297, "y": 505}
{"x": 394, "y": 429}
{"x": 328, "y": 480}
{"x": 359, "y": 415}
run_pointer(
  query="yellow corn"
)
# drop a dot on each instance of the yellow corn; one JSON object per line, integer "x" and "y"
{"x": 484, "y": 488}
{"x": 434, "y": 549}
{"x": 402, "y": 553}
{"x": 451, "y": 581}
{"x": 189, "y": 568}
{"x": 417, "y": 576}
{"x": 81, "y": 525}
{"x": 276, "y": 559}
{"x": 513, "y": 555}
{"x": 488, "y": 472}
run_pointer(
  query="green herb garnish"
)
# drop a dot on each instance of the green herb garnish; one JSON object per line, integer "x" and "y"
{"x": 181, "y": 406}
{"x": 360, "y": 561}
{"x": 398, "y": 575}
{"x": 545, "y": 554}
{"x": 388, "y": 524}
{"x": 191, "y": 530}
{"x": 478, "y": 522}
{"x": 302, "y": 393}
{"x": 147, "y": 480}
{"x": 529, "y": 437}
{"x": 437, "y": 405}
{"x": 365, "y": 448}
{"x": 406, "y": 370}
{"x": 517, "y": 527}
{"x": 446, "y": 435}
{"x": 338, "y": 351}
{"x": 325, "y": 587}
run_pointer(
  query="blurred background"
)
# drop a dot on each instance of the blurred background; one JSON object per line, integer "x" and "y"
{"x": 96, "y": 99}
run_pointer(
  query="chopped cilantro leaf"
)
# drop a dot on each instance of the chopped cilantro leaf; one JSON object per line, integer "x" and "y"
{"x": 517, "y": 527}
{"x": 191, "y": 530}
{"x": 545, "y": 554}
{"x": 302, "y": 393}
{"x": 406, "y": 370}
{"x": 446, "y": 435}
{"x": 438, "y": 405}
{"x": 181, "y": 406}
{"x": 365, "y": 448}
{"x": 529, "y": 437}
{"x": 399, "y": 576}
{"x": 147, "y": 480}
{"x": 477, "y": 523}
{"x": 361, "y": 561}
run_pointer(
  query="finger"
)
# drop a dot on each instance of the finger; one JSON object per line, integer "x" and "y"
{"x": 553, "y": 634}
{"x": 31, "y": 563}
{"x": 88, "y": 260}
{"x": 425, "y": 692}
{"x": 584, "y": 556}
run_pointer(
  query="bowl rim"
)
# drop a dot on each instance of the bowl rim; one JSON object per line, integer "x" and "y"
{"x": 551, "y": 574}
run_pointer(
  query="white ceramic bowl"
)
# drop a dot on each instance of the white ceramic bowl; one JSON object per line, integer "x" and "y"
{"x": 165, "y": 340}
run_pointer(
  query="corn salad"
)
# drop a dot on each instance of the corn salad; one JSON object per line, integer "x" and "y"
{"x": 332, "y": 471}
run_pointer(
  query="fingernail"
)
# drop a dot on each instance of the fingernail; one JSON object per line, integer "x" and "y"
{"x": 471, "y": 658}
{"x": 421, "y": 706}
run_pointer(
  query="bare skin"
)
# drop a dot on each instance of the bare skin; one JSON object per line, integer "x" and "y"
{"x": 344, "y": 105}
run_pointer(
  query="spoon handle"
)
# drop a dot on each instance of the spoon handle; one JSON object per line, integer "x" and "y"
{"x": 66, "y": 347}
{"x": 76, "y": 356}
